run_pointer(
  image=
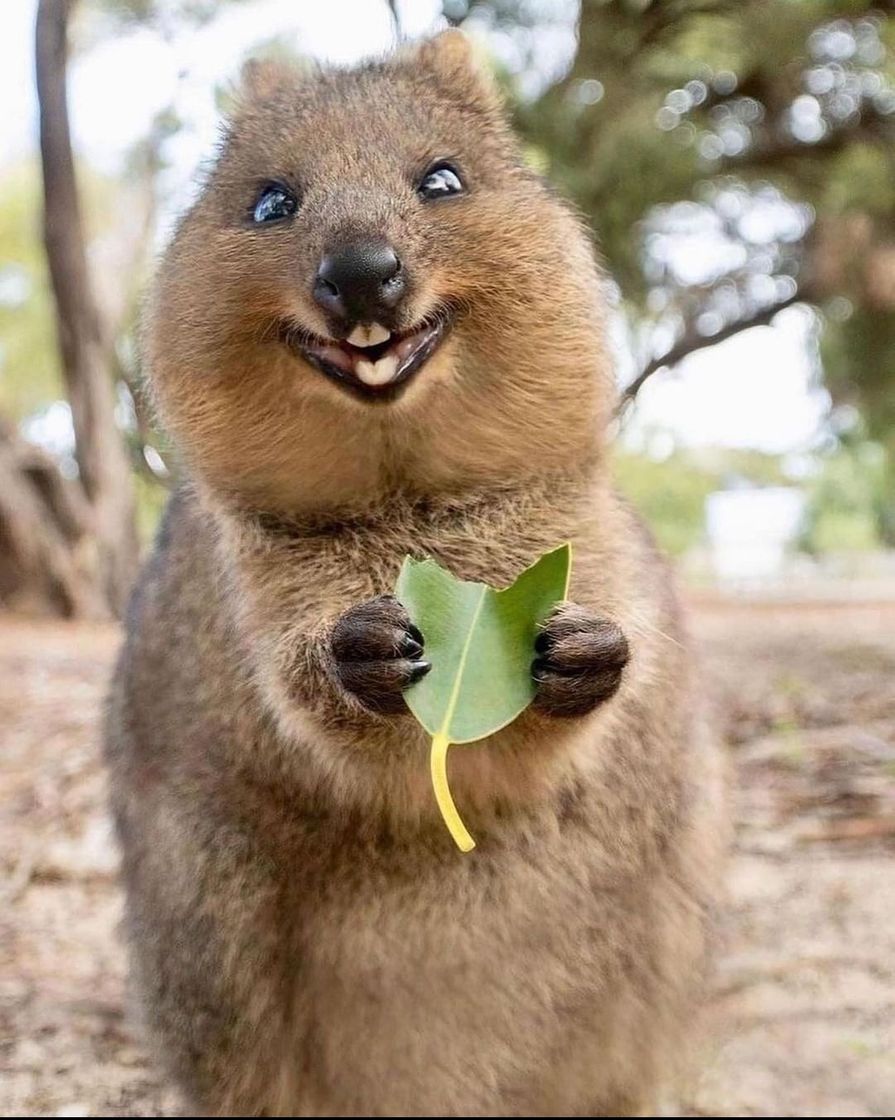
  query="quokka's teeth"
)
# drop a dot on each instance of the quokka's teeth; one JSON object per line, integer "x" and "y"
{"x": 368, "y": 336}
{"x": 379, "y": 373}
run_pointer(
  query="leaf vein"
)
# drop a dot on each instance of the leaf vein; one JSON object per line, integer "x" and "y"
{"x": 461, "y": 668}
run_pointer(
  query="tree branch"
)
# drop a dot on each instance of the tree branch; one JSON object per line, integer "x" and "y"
{"x": 873, "y": 127}
{"x": 102, "y": 462}
{"x": 45, "y": 524}
{"x": 692, "y": 341}
{"x": 663, "y": 16}
{"x": 396, "y": 18}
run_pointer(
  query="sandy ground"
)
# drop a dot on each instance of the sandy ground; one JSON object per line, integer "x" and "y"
{"x": 802, "y": 1019}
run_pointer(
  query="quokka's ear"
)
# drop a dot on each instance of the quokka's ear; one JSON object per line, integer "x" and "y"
{"x": 261, "y": 78}
{"x": 449, "y": 51}
{"x": 454, "y": 58}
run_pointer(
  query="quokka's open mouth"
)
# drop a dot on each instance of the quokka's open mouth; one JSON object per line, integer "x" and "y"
{"x": 372, "y": 362}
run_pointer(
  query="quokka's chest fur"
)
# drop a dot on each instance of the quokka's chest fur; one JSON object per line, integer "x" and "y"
{"x": 484, "y": 981}
{"x": 491, "y": 538}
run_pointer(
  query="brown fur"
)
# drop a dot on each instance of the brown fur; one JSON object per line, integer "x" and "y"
{"x": 306, "y": 940}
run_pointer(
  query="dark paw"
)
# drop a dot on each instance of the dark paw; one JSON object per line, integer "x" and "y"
{"x": 579, "y": 663}
{"x": 378, "y": 652}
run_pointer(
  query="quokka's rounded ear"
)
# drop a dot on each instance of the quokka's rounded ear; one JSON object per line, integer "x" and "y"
{"x": 455, "y": 58}
{"x": 449, "y": 51}
{"x": 261, "y": 78}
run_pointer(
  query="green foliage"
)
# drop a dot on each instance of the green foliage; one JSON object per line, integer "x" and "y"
{"x": 29, "y": 364}
{"x": 859, "y": 359}
{"x": 700, "y": 115}
{"x": 856, "y": 180}
{"x": 30, "y": 377}
{"x": 847, "y": 498}
{"x": 151, "y": 498}
{"x": 843, "y": 531}
{"x": 670, "y": 495}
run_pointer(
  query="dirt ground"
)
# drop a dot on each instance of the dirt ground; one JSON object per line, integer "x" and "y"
{"x": 802, "y": 1020}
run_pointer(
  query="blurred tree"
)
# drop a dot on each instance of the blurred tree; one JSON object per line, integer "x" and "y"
{"x": 30, "y": 367}
{"x": 845, "y": 498}
{"x": 670, "y": 488}
{"x": 68, "y": 524}
{"x": 104, "y": 480}
{"x": 46, "y": 550}
{"x": 762, "y": 128}
{"x": 670, "y": 493}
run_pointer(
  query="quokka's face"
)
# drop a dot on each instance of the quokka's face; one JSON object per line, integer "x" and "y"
{"x": 365, "y": 222}
{"x": 373, "y": 292}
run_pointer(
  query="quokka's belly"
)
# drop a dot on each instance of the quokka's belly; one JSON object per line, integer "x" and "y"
{"x": 523, "y": 1003}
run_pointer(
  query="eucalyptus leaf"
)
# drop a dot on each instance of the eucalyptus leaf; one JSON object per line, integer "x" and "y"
{"x": 480, "y": 643}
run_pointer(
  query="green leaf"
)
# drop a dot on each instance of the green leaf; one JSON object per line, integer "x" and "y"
{"x": 481, "y": 645}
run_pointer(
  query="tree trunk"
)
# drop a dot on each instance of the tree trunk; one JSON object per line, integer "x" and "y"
{"x": 101, "y": 455}
{"x": 47, "y": 562}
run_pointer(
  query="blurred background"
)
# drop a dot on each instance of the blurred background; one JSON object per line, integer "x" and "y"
{"x": 736, "y": 160}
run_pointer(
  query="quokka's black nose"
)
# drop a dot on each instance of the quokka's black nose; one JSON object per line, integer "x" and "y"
{"x": 360, "y": 282}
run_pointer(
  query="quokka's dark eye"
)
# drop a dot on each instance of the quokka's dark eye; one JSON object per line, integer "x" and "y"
{"x": 274, "y": 204}
{"x": 440, "y": 181}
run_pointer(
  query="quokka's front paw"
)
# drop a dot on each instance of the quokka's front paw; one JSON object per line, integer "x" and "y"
{"x": 579, "y": 662}
{"x": 378, "y": 652}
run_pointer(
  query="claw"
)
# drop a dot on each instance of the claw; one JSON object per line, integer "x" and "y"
{"x": 419, "y": 670}
{"x": 410, "y": 647}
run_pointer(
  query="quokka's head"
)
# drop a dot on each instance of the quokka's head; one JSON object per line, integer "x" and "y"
{"x": 373, "y": 288}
